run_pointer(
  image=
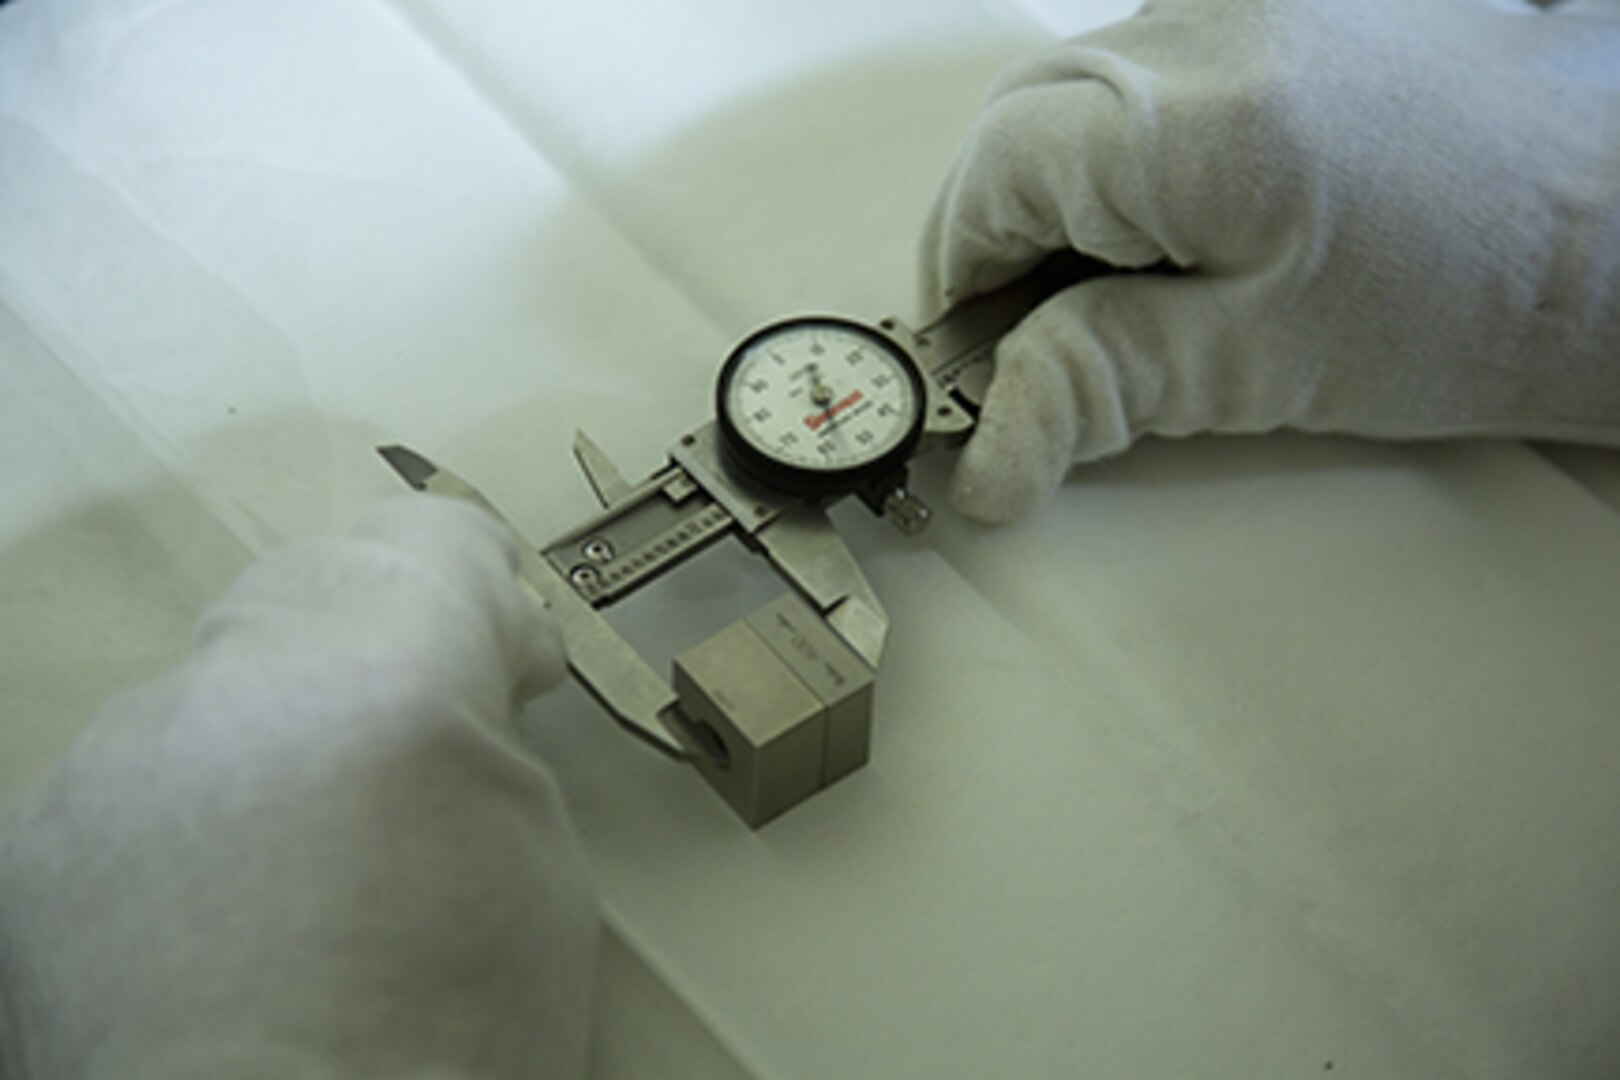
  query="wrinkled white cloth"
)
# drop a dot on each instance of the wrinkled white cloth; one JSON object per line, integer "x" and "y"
{"x": 1389, "y": 219}
{"x": 317, "y": 847}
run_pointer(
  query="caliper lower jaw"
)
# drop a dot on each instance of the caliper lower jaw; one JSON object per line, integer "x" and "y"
{"x": 774, "y": 707}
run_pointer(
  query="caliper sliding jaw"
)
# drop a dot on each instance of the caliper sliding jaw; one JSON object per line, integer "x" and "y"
{"x": 778, "y": 705}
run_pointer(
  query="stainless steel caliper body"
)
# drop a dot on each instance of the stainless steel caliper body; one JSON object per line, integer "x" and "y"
{"x": 778, "y": 705}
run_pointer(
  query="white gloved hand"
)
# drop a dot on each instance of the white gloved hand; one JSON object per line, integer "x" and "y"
{"x": 316, "y": 848}
{"x": 1394, "y": 220}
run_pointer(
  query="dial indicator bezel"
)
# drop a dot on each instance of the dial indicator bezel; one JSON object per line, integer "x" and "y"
{"x": 757, "y": 462}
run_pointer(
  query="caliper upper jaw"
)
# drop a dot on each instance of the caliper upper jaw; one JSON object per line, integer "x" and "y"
{"x": 799, "y": 540}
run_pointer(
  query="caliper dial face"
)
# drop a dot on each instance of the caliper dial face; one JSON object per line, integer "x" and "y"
{"x": 820, "y": 403}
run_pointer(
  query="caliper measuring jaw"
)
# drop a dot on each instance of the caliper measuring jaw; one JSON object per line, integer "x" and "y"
{"x": 772, "y": 708}
{"x": 777, "y": 705}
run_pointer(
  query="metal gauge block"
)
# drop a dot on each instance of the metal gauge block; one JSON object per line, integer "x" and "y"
{"x": 784, "y": 707}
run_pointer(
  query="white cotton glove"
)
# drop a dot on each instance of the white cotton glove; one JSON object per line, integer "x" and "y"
{"x": 1394, "y": 219}
{"x": 317, "y": 848}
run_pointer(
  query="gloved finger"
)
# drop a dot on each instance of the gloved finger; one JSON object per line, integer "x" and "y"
{"x": 1048, "y": 165}
{"x": 434, "y": 579}
{"x": 478, "y": 557}
{"x": 542, "y": 651}
{"x": 1104, "y": 362}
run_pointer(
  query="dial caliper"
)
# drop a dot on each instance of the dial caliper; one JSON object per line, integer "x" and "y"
{"x": 808, "y": 411}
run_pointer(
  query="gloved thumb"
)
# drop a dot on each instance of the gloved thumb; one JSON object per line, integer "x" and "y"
{"x": 1095, "y": 367}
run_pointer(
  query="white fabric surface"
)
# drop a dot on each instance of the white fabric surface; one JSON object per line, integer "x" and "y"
{"x": 1248, "y": 756}
{"x": 316, "y": 848}
{"x": 1387, "y": 220}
